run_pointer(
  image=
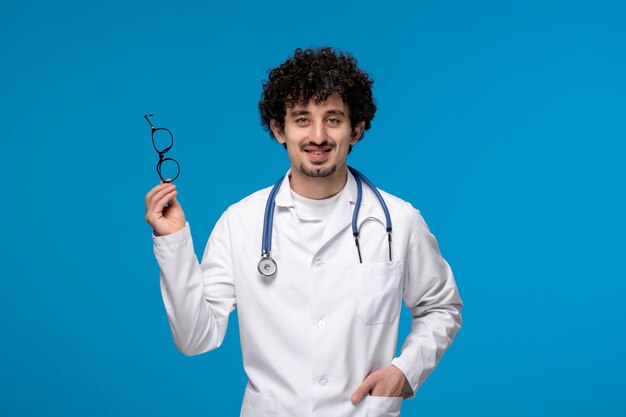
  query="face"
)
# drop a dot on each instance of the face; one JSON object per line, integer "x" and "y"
{"x": 318, "y": 137}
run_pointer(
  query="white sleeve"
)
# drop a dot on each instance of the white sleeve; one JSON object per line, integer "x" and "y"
{"x": 198, "y": 298}
{"x": 431, "y": 294}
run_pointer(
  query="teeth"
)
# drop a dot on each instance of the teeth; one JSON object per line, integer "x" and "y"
{"x": 318, "y": 152}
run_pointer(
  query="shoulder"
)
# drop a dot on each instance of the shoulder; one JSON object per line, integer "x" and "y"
{"x": 404, "y": 216}
{"x": 403, "y": 210}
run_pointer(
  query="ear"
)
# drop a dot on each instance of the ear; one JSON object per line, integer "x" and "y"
{"x": 357, "y": 132}
{"x": 279, "y": 133}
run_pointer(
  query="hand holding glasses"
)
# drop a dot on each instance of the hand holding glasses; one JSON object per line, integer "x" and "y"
{"x": 163, "y": 140}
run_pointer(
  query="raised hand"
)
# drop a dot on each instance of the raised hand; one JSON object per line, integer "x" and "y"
{"x": 164, "y": 220}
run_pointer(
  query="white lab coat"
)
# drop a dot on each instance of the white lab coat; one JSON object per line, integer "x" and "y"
{"x": 311, "y": 334}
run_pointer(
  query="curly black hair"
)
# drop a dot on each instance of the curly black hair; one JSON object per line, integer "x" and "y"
{"x": 317, "y": 73}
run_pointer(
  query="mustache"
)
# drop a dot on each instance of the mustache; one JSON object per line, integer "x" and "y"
{"x": 319, "y": 145}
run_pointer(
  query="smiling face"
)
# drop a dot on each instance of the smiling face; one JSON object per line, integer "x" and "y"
{"x": 318, "y": 138}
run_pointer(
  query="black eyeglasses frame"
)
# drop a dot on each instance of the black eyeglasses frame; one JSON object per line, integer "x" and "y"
{"x": 164, "y": 151}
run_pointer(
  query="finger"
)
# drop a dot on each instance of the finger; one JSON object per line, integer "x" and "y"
{"x": 160, "y": 205}
{"x": 153, "y": 191}
{"x": 174, "y": 202}
{"x": 153, "y": 206}
{"x": 368, "y": 384}
{"x": 155, "y": 212}
{"x": 166, "y": 188}
{"x": 167, "y": 199}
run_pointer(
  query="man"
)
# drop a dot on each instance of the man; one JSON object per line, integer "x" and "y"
{"x": 319, "y": 336}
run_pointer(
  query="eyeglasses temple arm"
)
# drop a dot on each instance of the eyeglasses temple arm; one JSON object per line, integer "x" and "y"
{"x": 149, "y": 115}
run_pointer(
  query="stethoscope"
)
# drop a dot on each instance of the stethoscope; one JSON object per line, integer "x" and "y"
{"x": 267, "y": 265}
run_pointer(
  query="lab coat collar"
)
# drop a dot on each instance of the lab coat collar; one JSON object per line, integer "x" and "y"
{"x": 342, "y": 215}
{"x": 283, "y": 197}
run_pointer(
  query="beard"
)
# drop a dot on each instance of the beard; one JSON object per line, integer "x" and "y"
{"x": 318, "y": 172}
{"x": 321, "y": 171}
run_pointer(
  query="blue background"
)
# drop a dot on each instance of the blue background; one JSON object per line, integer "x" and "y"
{"x": 502, "y": 122}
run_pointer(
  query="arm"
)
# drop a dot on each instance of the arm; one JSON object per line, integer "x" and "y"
{"x": 431, "y": 294}
{"x": 198, "y": 298}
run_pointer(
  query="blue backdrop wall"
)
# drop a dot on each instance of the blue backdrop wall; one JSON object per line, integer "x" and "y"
{"x": 503, "y": 122}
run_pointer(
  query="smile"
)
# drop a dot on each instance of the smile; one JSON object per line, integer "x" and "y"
{"x": 317, "y": 149}
{"x": 317, "y": 152}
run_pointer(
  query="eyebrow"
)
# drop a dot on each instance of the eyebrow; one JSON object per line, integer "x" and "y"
{"x": 336, "y": 112}
{"x": 299, "y": 113}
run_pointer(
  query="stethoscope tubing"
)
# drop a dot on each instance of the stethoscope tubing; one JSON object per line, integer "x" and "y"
{"x": 359, "y": 175}
{"x": 268, "y": 221}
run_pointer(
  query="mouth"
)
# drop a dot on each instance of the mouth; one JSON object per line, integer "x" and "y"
{"x": 318, "y": 153}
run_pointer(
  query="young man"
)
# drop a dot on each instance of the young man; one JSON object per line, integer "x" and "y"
{"x": 319, "y": 333}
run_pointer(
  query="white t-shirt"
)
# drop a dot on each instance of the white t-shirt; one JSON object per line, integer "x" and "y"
{"x": 314, "y": 215}
{"x": 315, "y": 209}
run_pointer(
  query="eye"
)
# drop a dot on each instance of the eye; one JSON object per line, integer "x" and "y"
{"x": 302, "y": 121}
{"x": 333, "y": 121}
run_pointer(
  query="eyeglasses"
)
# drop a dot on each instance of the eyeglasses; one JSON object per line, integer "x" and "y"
{"x": 163, "y": 139}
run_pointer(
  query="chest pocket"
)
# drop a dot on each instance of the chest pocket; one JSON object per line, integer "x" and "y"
{"x": 379, "y": 291}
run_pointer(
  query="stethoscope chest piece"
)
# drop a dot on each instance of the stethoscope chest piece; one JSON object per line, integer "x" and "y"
{"x": 267, "y": 266}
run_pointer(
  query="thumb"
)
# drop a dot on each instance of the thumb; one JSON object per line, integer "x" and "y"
{"x": 368, "y": 384}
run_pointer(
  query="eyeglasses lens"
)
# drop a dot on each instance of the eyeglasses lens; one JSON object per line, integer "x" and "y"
{"x": 162, "y": 139}
{"x": 169, "y": 169}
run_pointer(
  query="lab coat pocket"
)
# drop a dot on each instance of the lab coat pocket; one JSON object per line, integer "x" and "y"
{"x": 383, "y": 406}
{"x": 380, "y": 291}
{"x": 257, "y": 405}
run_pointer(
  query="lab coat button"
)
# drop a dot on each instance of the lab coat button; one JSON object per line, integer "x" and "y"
{"x": 323, "y": 382}
{"x": 321, "y": 324}
{"x": 318, "y": 263}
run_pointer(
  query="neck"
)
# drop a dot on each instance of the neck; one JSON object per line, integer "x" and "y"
{"x": 318, "y": 188}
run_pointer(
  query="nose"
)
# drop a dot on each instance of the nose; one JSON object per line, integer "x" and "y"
{"x": 318, "y": 133}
